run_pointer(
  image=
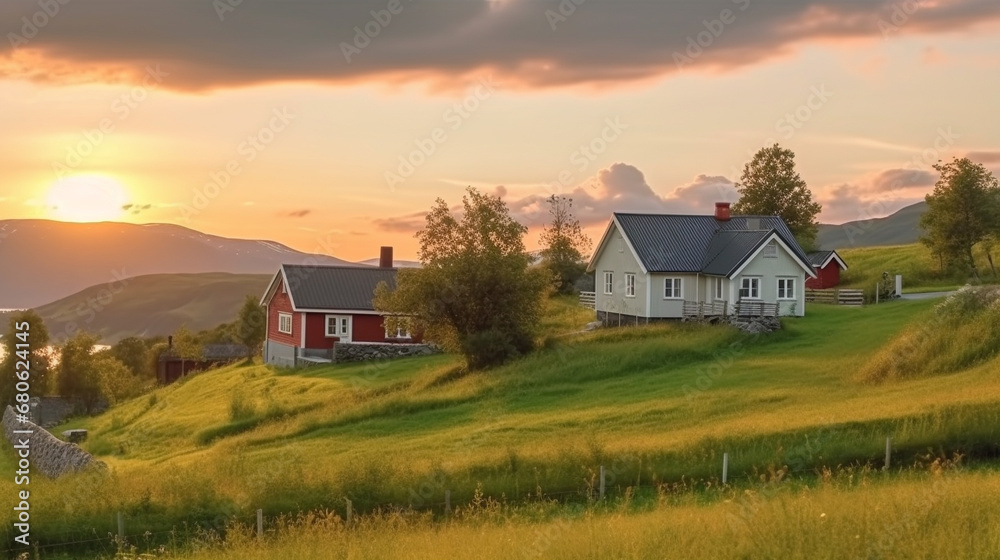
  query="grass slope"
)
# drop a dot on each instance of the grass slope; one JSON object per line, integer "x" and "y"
{"x": 150, "y": 305}
{"x": 919, "y": 269}
{"x": 899, "y": 228}
{"x": 653, "y": 404}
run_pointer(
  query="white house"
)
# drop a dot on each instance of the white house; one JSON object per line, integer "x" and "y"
{"x": 663, "y": 266}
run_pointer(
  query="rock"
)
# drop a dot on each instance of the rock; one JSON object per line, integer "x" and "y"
{"x": 47, "y": 453}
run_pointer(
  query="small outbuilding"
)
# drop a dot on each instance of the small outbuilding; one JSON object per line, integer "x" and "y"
{"x": 170, "y": 367}
{"x": 827, "y": 265}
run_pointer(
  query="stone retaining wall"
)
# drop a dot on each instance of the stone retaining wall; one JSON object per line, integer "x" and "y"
{"x": 361, "y": 351}
{"x": 48, "y": 454}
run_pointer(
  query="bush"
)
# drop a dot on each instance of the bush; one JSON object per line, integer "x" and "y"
{"x": 961, "y": 332}
{"x": 494, "y": 347}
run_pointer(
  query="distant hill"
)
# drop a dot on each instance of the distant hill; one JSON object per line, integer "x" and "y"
{"x": 152, "y": 305}
{"x": 901, "y": 228}
{"x": 46, "y": 260}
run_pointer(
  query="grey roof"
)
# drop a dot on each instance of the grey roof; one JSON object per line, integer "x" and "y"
{"x": 213, "y": 352}
{"x": 819, "y": 257}
{"x": 729, "y": 249}
{"x": 336, "y": 287}
{"x": 684, "y": 243}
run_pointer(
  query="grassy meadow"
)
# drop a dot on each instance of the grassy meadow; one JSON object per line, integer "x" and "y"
{"x": 657, "y": 406}
{"x": 921, "y": 271}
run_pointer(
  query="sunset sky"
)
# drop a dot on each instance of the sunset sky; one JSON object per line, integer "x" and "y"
{"x": 290, "y": 120}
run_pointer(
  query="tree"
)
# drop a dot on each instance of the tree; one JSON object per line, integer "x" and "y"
{"x": 250, "y": 326}
{"x": 116, "y": 382}
{"x": 133, "y": 352}
{"x": 38, "y": 356}
{"x": 186, "y": 346}
{"x": 78, "y": 375}
{"x": 770, "y": 186}
{"x": 963, "y": 210}
{"x": 563, "y": 244}
{"x": 475, "y": 293}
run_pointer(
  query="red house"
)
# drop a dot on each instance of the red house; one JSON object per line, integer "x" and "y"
{"x": 311, "y": 307}
{"x": 827, "y": 265}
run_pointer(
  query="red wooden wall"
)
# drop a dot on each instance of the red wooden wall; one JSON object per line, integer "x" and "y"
{"x": 826, "y": 277}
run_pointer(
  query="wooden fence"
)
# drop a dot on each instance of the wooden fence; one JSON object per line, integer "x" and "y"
{"x": 705, "y": 309}
{"x": 588, "y": 299}
{"x": 746, "y": 308}
{"x": 836, "y": 297}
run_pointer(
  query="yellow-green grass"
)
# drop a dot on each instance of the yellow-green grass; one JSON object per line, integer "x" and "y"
{"x": 652, "y": 404}
{"x": 920, "y": 516}
{"x": 921, "y": 271}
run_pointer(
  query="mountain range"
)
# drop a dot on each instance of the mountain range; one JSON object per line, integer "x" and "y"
{"x": 899, "y": 228}
{"x": 44, "y": 260}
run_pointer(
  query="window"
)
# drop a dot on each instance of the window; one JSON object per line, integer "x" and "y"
{"x": 339, "y": 326}
{"x": 771, "y": 250}
{"x": 718, "y": 288}
{"x": 672, "y": 288}
{"x": 397, "y": 327}
{"x": 750, "y": 288}
{"x": 285, "y": 323}
{"x": 786, "y": 288}
{"x": 609, "y": 282}
{"x": 629, "y": 284}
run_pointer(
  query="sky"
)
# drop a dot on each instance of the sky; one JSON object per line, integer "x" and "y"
{"x": 333, "y": 126}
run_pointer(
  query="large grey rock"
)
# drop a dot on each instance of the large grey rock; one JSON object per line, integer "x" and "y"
{"x": 47, "y": 454}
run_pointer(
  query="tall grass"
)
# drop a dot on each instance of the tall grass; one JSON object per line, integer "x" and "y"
{"x": 961, "y": 332}
{"x": 850, "y": 515}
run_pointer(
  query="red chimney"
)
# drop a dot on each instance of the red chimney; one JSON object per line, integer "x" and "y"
{"x": 385, "y": 258}
{"x": 722, "y": 211}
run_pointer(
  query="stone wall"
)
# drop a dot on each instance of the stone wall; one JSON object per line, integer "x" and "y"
{"x": 48, "y": 455}
{"x": 361, "y": 351}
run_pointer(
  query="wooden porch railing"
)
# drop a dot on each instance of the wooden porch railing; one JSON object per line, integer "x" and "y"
{"x": 702, "y": 309}
{"x": 588, "y": 299}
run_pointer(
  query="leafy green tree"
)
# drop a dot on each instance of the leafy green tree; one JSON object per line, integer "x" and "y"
{"x": 563, "y": 244}
{"x": 250, "y": 326}
{"x": 963, "y": 211}
{"x": 186, "y": 346}
{"x": 116, "y": 381}
{"x": 38, "y": 358}
{"x": 770, "y": 186}
{"x": 475, "y": 293}
{"x": 78, "y": 375}
{"x": 134, "y": 353}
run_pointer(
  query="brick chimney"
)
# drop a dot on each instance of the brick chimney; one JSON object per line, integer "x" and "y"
{"x": 722, "y": 211}
{"x": 385, "y": 258}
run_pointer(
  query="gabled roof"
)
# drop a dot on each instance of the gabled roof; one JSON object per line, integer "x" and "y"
{"x": 341, "y": 288}
{"x": 729, "y": 249}
{"x": 820, "y": 259}
{"x": 665, "y": 243}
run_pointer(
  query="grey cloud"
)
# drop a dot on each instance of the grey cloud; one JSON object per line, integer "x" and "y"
{"x": 892, "y": 179}
{"x": 440, "y": 42}
{"x": 619, "y": 188}
{"x": 984, "y": 157}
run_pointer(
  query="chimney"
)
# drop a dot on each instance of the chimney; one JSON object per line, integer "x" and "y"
{"x": 722, "y": 211}
{"x": 170, "y": 341}
{"x": 385, "y": 258}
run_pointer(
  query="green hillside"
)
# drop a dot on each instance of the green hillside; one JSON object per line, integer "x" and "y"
{"x": 152, "y": 305}
{"x": 921, "y": 272}
{"x": 654, "y": 405}
{"x": 899, "y": 228}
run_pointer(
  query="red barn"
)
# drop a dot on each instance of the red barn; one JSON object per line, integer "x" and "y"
{"x": 827, "y": 265}
{"x": 311, "y": 307}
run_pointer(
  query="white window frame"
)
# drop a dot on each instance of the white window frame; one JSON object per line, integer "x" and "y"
{"x": 282, "y": 319}
{"x": 609, "y": 282}
{"x": 789, "y": 286}
{"x": 754, "y": 287}
{"x": 676, "y": 288}
{"x": 719, "y": 293}
{"x": 342, "y": 329}
{"x": 770, "y": 250}
{"x": 629, "y": 284}
{"x": 400, "y": 331}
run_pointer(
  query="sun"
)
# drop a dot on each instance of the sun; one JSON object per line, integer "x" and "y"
{"x": 86, "y": 198}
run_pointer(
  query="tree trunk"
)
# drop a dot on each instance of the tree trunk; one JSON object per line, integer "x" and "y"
{"x": 972, "y": 263}
{"x": 993, "y": 270}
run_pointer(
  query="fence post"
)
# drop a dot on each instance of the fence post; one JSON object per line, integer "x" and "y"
{"x": 260, "y": 523}
{"x": 725, "y": 467}
{"x": 602, "y": 482}
{"x": 121, "y": 526}
{"x": 888, "y": 451}
{"x": 349, "y": 512}
{"x": 447, "y": 502}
